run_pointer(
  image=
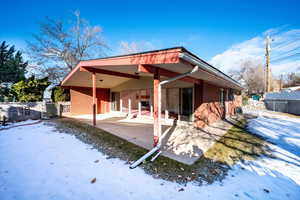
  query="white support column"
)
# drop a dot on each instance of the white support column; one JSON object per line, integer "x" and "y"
{"x": 226, "y": 103}
{"x": 151, "y": 103}
{"x": 151, "y": 110}
{"x": 140, "y": 108}
{"x": 140, "y": 104}
{"x": 129, "y": 106}
{"x": 121, "y": 105}
{"x": 166, "y": 104}
{"x": 166, "y": 114}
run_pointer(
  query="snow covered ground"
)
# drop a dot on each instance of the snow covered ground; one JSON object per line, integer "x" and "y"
{"x": 38, "y": 163}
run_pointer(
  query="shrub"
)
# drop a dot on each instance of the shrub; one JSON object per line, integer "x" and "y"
{"x": 31, "y": 89}
{"x": 245, "y": 100}
{"x": 60, "y": 94}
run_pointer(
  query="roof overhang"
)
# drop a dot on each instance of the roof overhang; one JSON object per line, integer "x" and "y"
{"x": 113, "y": 71}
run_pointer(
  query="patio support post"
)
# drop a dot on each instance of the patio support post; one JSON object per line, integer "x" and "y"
{"x": 166, "y": 114}
{"x": 156, "y": 82}
{"x": 151, "y": 110}
{"x": 121, "y": 105}
{"x": 129, "y": 106}
{"x": 226, "y": 103}
{"x": 151, "y": 104}
{"x": 94, "y": 97}
{"x": 140, "y": 104}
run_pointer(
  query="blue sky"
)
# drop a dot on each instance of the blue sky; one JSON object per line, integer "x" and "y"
{"x": 207, "y": 28}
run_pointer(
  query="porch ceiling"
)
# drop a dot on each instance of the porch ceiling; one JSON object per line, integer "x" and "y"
{"x": 84, "y": 79}
{"x": 166, "y": 59}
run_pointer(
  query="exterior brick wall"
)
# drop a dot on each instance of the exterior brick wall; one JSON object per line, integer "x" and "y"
{"x": 208, "y": 108}
{"x": 82, "y": 100}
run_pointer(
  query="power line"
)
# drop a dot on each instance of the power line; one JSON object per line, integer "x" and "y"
{"x": 287, "y": 52}
{"x": 285, "y": 57}
{"x": 286, "y": 43}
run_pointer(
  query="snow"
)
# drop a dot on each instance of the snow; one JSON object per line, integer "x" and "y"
{"x": 39, "y": 163}
{"x": 10, "y": 125}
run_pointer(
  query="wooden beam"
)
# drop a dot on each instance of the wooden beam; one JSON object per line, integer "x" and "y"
{"x": 94, "y": 98}
{"x": 108, "y": 72}
{"x": 156, "y": 82}
{"x": 164, "y": 72}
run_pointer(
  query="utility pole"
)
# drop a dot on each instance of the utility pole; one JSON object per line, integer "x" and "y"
{"x": 268, "y": 74}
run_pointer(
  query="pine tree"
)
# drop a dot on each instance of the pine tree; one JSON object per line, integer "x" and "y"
{"x": 12, "y": 66}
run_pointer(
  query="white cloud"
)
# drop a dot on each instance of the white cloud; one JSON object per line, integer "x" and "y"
{"x": 134, "y": 47}
{"x": 284, "y": 43}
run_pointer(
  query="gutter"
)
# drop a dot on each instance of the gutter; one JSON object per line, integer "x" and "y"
{"x": 160, "y": 137}
{"x": 195, "y": 61}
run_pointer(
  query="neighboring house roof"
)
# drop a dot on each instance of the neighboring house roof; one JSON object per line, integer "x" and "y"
{"x": 176, "y": 59}
{"x": 284, "y": 95}
{"x": 296, "y": 88}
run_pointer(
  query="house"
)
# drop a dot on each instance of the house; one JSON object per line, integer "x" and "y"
{"x": 287, "y": 101}
{"x": 139, "y": 84}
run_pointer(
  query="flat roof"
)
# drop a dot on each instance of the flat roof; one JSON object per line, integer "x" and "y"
{"x": 180, "y": 49}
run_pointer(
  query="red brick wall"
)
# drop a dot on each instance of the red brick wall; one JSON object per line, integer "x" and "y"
{"x": 82, "y": 100}
{"x": 208, "y": 109}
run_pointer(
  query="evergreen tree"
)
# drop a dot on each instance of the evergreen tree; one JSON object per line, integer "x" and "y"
{"x": 12, "y": 66}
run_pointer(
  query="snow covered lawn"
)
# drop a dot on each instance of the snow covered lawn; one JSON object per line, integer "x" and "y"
{"x": 36, "y": 162}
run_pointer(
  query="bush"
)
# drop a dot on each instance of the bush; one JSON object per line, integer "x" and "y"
{"x": 31, "y": 89}
{"x": 245, "y": 100}
{"x": 60, "y": 94}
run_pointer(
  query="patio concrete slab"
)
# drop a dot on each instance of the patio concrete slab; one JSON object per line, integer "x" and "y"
{"x": 135, "y": 131}
{"x": 182, "y": 143}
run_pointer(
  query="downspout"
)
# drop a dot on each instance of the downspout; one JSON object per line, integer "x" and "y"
{"x": 157, "y": 147}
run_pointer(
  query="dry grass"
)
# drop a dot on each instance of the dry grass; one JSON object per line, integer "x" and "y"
{"x": 236, "y": 145}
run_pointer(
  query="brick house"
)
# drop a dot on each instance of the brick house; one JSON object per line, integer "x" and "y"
{"x": 130, "y": 84}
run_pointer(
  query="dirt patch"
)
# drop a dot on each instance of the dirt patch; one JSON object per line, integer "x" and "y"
{"x": 213, "y": 166}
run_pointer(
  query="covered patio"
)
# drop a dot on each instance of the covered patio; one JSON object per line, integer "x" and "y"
{"x": 141, "y": 97}
{"x": 137, "y": 130}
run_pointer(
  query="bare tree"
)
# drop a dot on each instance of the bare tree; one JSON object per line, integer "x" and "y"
{"x": 251, "y": 74}
{"x": 291, "y": 79}
{"x": 59, "y": 45}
